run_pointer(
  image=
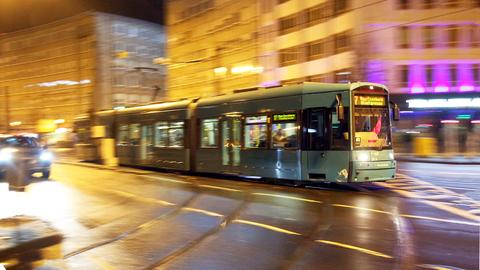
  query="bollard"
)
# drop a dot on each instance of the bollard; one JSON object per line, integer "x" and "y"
{"x": 424, "y": 146}
{"x": 17, "y": 174}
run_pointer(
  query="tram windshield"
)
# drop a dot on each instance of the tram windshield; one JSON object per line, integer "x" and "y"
{"x": 372, "y": 128}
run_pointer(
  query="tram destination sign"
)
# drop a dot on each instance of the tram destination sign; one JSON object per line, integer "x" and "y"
{"x": 365, "y": 100}
{"x": 285, "y": 117}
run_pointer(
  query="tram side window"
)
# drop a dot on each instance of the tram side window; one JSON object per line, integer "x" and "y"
{"x": 255, "y": 132}
{"x": 175, "y": 134}
{"x": 161, "y": 134}
{"x": 134, "y": 134}
{"x": 340, "y": 135}
{"x": 284, "y": 131}
{"x": 316, "y": 130}
{"x": 123, "y": 135}
{"x": 209, "y": 133}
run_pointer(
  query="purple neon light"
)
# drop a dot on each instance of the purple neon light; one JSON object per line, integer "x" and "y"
{"x": 467, "y": 88}
{"x": 441, "y": 89}
{"x": 417, "y": 89}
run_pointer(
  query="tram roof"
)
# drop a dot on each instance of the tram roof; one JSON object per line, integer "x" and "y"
{"x": 284, "y": 90}
{"x": 247, "y": 94}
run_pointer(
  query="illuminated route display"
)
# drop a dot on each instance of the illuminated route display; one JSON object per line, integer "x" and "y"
{"x": 364, "y": 100}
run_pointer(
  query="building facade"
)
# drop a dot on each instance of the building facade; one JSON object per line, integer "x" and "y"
{"x": 90, "y": 62}
{"x": 422, "y": 50}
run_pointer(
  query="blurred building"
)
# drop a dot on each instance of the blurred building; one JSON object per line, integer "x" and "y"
{"x": 426, "y": 52}
{"x": 212, "y": 47}
{"x": 93, "y": 61}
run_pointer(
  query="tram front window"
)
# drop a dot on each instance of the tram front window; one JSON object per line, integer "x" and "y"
{"x": 372, "y": 128}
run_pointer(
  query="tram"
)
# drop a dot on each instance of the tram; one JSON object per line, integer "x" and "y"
{"x": 305, "y": 132}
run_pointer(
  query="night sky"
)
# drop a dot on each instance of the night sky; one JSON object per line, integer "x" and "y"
{"x": 20, "y": 14}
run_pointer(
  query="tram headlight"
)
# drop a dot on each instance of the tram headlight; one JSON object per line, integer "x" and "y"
{"x": 391, "y": 155}
{"x": 363, "y": 157}
{"x": 6, "y": 154}
{"x": 46, "y": 156}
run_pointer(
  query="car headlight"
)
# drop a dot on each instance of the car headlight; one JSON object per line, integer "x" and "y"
{"x": 46, "y": 156}
{"x": 6, "y": 154}
{"x": 363, "y": 157}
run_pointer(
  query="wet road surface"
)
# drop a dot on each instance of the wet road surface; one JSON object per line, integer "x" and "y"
{"x": 151, "y": 220}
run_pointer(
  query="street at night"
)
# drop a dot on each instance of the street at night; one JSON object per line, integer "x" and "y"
{"x": 135, "y": 219}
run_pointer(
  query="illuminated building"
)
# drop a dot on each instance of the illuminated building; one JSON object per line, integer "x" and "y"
{"x": 92, "y": 61}
{"x": 419, "y": 49}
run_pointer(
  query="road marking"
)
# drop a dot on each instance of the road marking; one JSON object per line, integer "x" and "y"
{"x": 409, "y": 216}
{"x": 138, "y": 198}
{"x": 286, "y": 197}
{"x": 439, "y": 205}
{"x": 442, "y": 172}
{"x": 102, "y": 263}
{"x": 434, "y": 267}
{"x": 220, "y": 188}
{"x": 265, "y": 226}
{"x": 206, "y": 212}
{"x": 363, "y": 250}
{"x": 165, "y": 179}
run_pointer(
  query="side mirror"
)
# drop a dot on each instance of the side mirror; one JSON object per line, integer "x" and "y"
{"x": 396, "y": 112}
{"x": 340, "y": 110}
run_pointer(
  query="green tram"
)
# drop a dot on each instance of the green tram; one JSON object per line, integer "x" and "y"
{"x": 306, "y": 132}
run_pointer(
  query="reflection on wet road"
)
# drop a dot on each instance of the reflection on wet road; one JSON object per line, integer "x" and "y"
{"x": 122, "y": 220}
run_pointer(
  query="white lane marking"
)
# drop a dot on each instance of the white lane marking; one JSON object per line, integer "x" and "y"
{"x": 286, "y": 197}
{"x": 442, "y": 172}
{"x": 360, "y": 249}
{"x": 438, "y": 205}
{"x": 220, "y": 188}
{"x": 205, "y": 212}
{"x": 165, "y": 179}
{"x": 138, "y": 198}
{"x": 265, "y": 226}
{"x": 409, "y": 216}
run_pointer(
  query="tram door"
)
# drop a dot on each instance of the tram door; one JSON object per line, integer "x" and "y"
{"x": 146, "y": 143}
{"x": 231, "y": 143}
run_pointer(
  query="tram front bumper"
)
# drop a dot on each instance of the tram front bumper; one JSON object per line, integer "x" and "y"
{"x": 370, "y": 171}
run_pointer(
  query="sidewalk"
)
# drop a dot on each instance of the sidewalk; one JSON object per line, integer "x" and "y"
{"x": 453, "y": 159}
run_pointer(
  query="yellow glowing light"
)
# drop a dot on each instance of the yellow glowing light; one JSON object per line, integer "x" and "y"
{"x": 59, "y": 121}
{"x": 16, "y": 123}
{"x": 220, "y": 70}
{"x": 246, "y": 69}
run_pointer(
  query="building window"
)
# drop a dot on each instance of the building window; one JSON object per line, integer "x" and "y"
{"x": 453, "y": 75}
{"x": 209, "y": 133}
{"x": 289, "y": 56}
{"x": 315, "y": 50}
{"x": 475, "y": 36}
{"x": 321, "y": 78}
{"x": 288, "y": 24}
{"x": 429, "y": 75}
{"x": 340, "y": 6}
{"x": 403, "y": 76}
{"x": 428, "y": 4}
{"x": 343, "y": 76}
{"x": 318, "y": 14}
{"x": 451, "y": 3}
{"x": 476, "y": 74}
{"x": 452, "y": 33}
{"x": 403, "y": 4}
{"x": 404, "y": 37}
{"x": 342, "y": 42}
{"x": 428, "y": 37}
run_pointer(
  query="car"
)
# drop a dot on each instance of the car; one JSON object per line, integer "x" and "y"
{"x": 27, "y": 151}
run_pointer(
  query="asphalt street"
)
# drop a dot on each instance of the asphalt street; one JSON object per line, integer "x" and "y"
{"x": 132, "y": 219}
